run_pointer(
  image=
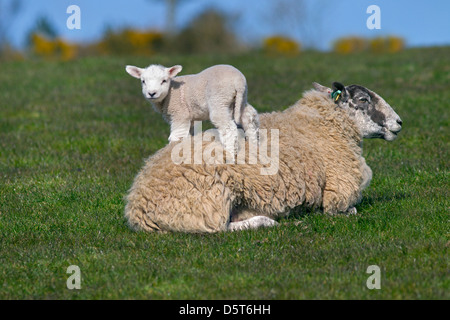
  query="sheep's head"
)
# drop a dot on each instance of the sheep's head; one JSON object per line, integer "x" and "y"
{"x": 155, "y": 80}
{"x": 371, "y": 112}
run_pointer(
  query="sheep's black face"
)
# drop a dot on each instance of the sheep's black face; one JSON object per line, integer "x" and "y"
{"x": 372, "y": 113}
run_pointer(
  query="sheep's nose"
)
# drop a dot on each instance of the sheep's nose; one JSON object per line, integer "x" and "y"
{"x": 152, "y": 94}
{"x": 399, "y": 121}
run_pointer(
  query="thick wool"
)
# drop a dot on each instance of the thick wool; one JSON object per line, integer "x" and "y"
{"x": 320, "y": 165}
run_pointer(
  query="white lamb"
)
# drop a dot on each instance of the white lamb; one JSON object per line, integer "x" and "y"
{"x": 218, "y": 93}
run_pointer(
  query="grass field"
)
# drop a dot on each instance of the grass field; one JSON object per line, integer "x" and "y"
{"x": 74, "y": 134}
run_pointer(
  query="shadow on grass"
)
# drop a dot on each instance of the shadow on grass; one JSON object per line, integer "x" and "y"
{"x": 366, "y": 203}
{"x": 379, "y": 198}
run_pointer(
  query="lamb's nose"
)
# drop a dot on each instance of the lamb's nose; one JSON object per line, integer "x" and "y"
{"x": 399, "y": 121}
{"x": 152, "y": 94}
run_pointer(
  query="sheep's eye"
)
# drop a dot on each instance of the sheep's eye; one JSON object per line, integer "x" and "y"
{"x": 363, "y": 100}
{"x": 164, "y": 81}
{"x": 143, "y": 81}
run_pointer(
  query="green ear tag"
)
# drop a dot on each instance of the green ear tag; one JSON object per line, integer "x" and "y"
{"x": 336, "y": 94}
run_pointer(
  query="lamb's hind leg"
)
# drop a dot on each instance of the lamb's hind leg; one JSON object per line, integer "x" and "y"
{"x": 250, "y": 123}
{"x": 252, "y": 223}
{"x": 220, "y": 117}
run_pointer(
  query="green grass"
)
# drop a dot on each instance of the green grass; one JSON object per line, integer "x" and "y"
{"x": 73, "y": 135}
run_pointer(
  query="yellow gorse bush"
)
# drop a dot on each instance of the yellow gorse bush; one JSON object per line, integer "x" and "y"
{"x": 389, "y": 44}
{"x": 395, "y": 44}
{"x": 52, "y": 49}
{"x": 130, "y": 41}
{"x": 66, "y": 51}
{"x": 127, "y": 41}
{"x": 42, "y": 46}
{"x": 279, "y": 45}
{"x": 349, "y": 45}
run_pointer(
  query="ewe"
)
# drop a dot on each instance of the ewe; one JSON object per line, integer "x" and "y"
{"x": 320, "y": 165}
{"x": 218, "y": 93}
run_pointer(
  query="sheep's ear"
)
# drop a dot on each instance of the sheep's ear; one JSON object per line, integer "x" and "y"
{"x": 173, "y": 71}
{"x": 338, "y": 86}
{"x": 321, "y": 88}
{"x": 339, "y": 93}
{"x": 134, "y": 71}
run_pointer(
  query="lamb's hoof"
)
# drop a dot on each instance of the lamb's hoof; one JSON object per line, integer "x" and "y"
{"x": 351, "y": 211}
{"x": 262, "y": 221}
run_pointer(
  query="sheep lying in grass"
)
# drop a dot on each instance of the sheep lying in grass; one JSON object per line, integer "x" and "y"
{"x": 320, "y": 165}
{"x": 218, "y": 93}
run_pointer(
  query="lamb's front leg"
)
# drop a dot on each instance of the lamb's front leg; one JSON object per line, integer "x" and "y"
{"x": 250, "y": 124}
{"x": 179, "y": 129}
{"x": 196, "y": 127}
{"x": 252, "y": 223}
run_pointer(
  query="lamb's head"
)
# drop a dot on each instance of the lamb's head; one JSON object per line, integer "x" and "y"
{"x": 155, "y": 80}
{"x": 375, "y": 117}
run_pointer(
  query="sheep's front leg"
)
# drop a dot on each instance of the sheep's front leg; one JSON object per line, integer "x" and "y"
{"x": 252, "y": 223}
{"x": 179, "y": 130}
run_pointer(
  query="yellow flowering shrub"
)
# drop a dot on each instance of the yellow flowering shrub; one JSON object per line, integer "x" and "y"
{"x": 377, "y": 45}
{"x": 42, "y": 46}
{"x": 389, "y": 44}
{"x": 395, "y": 44}
{"x": 52, "y": 49}
{"x": 130, "y": 41}
{"x": 66, "y": 51}
{"x": 349, "y": 45}
{"x": 279, "y": 45}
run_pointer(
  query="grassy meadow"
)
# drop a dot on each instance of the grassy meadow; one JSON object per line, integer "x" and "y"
{"x": 73, "y": 135}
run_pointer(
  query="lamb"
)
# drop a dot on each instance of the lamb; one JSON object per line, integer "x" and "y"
{"x": 320, "y": 165}
{"x": 218, "y": 93}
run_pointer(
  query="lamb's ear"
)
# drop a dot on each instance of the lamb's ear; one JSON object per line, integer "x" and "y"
{"x": 339, "y": 93}
{"x": 321, "y": 88}
{"x": 173, "y": 71}
{"x": 134, "y": 71}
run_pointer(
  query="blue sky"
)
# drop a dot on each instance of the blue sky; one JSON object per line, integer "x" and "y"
{"x": 318, "y": 22}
